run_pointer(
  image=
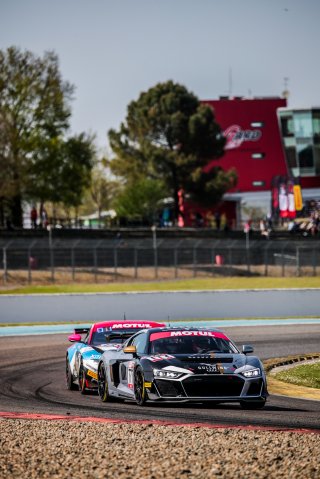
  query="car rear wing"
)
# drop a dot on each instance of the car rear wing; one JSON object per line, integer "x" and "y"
{"x": 81, "y": 330}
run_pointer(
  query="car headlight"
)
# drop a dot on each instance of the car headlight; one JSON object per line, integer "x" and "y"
{"x": 166, "y": 374}
{"x": 251, "y": 373}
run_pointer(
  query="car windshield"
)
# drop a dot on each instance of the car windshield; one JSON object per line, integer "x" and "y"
{"x": 192, "y": 345}
{"x": 113, "y": 337}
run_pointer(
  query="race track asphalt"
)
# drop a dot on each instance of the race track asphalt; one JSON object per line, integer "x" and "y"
{"x": 32, "y": 379}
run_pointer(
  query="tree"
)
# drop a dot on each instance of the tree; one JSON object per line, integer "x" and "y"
{"x": 34, "y": 113}
{"x": 77, "y": 156}
{"x": 7, "y": 187}
{"x": 102, "y": 189}
{"x": 170, "y": 136}
{"x": 140, "y": 200}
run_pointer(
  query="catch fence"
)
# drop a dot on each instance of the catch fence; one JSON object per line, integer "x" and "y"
{"x": 108, "y": 260}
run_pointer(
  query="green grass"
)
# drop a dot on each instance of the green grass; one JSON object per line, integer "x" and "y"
{"x": 307, "y": 375}
{"x": 171, "y": 321}
{"x": 171, "y": 285}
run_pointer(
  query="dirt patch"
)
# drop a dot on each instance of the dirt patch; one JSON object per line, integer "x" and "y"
{"x": 15, "y": 278}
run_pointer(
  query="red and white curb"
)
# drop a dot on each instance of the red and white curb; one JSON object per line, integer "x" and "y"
{"x": 56, "y": 417}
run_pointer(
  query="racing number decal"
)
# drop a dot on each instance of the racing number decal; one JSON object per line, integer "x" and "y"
{"x": 130, "y": 374}
{"x": 160, "y": 357}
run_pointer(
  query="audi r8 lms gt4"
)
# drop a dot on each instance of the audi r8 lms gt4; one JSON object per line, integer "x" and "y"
{"x": 182, "y": 364}
{"x": 83, "y": 356}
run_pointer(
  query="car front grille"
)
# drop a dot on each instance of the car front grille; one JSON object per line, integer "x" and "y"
{"x": 213, "y": 386}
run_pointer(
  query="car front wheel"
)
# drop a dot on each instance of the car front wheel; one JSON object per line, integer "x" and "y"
{"x": 82, "y": 380}
{"x": 69, "y": 379}
{"x": 103, "y": 389}
{"x": 139, "y": 388}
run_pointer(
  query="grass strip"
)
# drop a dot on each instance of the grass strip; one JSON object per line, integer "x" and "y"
{"x": 171, "y": 321}
{"x": 307, "y": 375}
{"x": 195, "y": 284}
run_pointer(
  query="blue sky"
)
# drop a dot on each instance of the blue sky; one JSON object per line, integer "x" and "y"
{"x": 111, "y": 50}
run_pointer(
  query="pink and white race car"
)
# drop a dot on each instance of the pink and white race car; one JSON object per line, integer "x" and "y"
{"x": 83, "y": 356}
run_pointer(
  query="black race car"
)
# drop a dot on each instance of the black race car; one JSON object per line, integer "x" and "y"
{"x": 182, "y": 364}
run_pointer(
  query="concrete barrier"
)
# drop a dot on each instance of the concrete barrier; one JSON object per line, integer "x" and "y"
{"x": 159, "y": 306}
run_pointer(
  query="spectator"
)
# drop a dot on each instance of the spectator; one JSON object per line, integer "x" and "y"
{"x": 293, "y": 226}
{"x": 248, "y": 227}
{"x": 269, "y": 221}
{"x": 264, "y": 230}
{"x": 199, "y": 220}
{"x": 9, "y": 224}
{"x": 209, "y": 219}
{"x": 43, "y": 217}
{"x": 217, "y": 218}
{"x": 227, "y": 226}
{"x": 33, "y": 217}
{"x": 315, "y": 221}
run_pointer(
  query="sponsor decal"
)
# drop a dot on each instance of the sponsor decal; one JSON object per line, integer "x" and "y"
{"x": 110, "y": 347}
{"x": 130, "y": 374}
{"x": 209, "y": 368}
{"x": 193, "y": 333}
{"x": 235, "y": 136}
{"x": 131, "y": 325}
{"x": 160, "y": 357}
{"x": 92, "y": 374}
{"x": 95, "y": 357}
{"x": 171, "y": 334}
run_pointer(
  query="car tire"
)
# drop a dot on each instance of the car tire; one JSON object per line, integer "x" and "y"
{"x": 82, "y": 380}
{"x": 253, "y": 404}
{"x": 140, "y": 394}
{"x": 69, "y": 379}
{"x": 103, "y": 389}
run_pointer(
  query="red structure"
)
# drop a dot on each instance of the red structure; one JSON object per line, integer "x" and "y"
{"x": 276, "y": 153}
{"x": 254, "y": 145}
{"x": 254, "y": 148}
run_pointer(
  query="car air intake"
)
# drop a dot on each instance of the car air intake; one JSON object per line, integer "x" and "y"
{"x": 169, "y": 388}
{"x": 255, "y": 388}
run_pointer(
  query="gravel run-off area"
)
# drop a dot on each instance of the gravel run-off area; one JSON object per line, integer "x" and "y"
{"x": 66, "y": 449}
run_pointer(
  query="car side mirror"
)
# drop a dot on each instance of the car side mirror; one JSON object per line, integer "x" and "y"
{"x": 130, "y": 350}
{"x": 247, "y": 349}
{"x": 74, "y": 338}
